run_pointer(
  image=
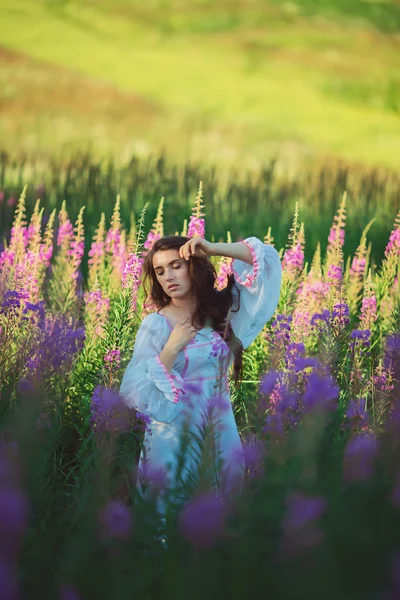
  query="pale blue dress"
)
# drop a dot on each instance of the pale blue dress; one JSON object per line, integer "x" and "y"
{"x": 169, "y": 399}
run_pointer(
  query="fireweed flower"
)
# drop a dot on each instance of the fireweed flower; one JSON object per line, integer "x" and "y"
{"x": 359, "y": 457}
{"x": 394, "y": 243}
{"x": 300, "y": 523}
{"x": 357, "y": 267}
{"x": 333, "y": 234}
{"x": 112, "y": 360}
{"x": 203, "y": 520}
{"x": 116, "y": 520}
{"x": 293, "y": 259}
{"x": 97, "y": 308}
{"x": 151, "y": 238}
{"x": 131, "y": 277}
{"x": 334, "y": 273}
{"x": 225, "y": 269}
{"x": 369, "y": 312}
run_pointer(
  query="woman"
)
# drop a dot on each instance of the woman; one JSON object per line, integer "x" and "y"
{"x": 178, "y": 374}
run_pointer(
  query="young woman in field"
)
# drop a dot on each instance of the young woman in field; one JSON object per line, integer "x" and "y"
{"x": 179, "y": 370}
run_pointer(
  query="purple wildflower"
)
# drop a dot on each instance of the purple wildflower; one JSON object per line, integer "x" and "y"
{"x": 359, "y": 457}
{"x": 356, "y": 413}
{"x": 340, "y": 314}
{"x": 112, "y": 360}
{"x": 320, "y": 393}
{"x": 269, "y": 381}
{"x": 300, "y": 528}
{"x": 116, "y": 520}
{"x": 202, "y": 520}
{"x": 108, "y": 411}
{"x": 334, "y": 273}
{"x": 254, "y": 455}
{"x": 153, "y": 476}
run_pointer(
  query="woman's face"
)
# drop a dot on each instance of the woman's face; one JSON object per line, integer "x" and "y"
{"x": 171, "y": 269}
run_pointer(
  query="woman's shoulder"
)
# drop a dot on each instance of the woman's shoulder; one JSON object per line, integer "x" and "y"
{"x": 153, "y": 320}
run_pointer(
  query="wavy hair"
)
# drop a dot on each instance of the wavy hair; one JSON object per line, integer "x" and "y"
{"x": 211, "y": 304}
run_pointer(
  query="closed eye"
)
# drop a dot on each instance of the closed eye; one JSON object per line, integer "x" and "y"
{"x": 162, "y": 272}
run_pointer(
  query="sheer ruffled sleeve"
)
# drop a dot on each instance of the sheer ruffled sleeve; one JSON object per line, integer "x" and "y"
{"x": 146, "y": 384}
{"x": 260, "y": 286}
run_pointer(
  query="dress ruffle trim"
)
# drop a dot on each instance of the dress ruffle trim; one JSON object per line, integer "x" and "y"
{"x": 244, "y": 273}
{"x": 170, "y": 384}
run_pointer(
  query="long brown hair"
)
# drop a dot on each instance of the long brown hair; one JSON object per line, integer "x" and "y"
{"x": 211, "y": 304}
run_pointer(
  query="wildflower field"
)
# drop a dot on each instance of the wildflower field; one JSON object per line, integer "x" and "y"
{"x": 318, "y": 409}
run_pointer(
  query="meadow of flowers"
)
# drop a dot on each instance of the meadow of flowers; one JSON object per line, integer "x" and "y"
{"x": 318, "y": 411}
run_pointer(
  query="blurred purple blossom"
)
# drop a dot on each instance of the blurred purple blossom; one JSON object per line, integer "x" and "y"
{"x": 321, "y": 392}
{"x": 68, "y": 593}
{"x": 356, "y": 413}
{"x": 153, "y": 476}
{"x": 359, "y": 456}
{"x": 116, "y": 520}
{"x": 108, "y": 412}
{"x": 203, "y": 520}
{"x": 300, "y": 527}
{"x": 8, "y": 579}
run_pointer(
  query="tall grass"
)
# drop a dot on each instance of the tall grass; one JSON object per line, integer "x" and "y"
{"x": 238, "y": 201}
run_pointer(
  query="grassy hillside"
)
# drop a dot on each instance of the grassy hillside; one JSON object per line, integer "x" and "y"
{"x": 226, "y": 81}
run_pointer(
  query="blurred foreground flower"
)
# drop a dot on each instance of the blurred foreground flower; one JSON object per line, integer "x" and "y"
{"x": 116, "y": 520}
{"x": 108, "y": 412}
{"x": 300, "y": 527}
{"x": 359, "y": 457}
{"x": 203, "y": 520}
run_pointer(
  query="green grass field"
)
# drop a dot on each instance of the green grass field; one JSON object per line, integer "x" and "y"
{"x": 234, "y": 82}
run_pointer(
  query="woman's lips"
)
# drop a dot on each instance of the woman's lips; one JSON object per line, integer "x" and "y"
{"x": 173, "y": 287}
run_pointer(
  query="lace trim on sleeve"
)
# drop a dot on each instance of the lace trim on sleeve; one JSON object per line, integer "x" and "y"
{"x": 247, "y": 281}
{"x": 176, "y": 392}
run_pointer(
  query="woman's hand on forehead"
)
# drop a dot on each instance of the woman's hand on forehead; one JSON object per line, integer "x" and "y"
{"x": 196, "y": 246}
